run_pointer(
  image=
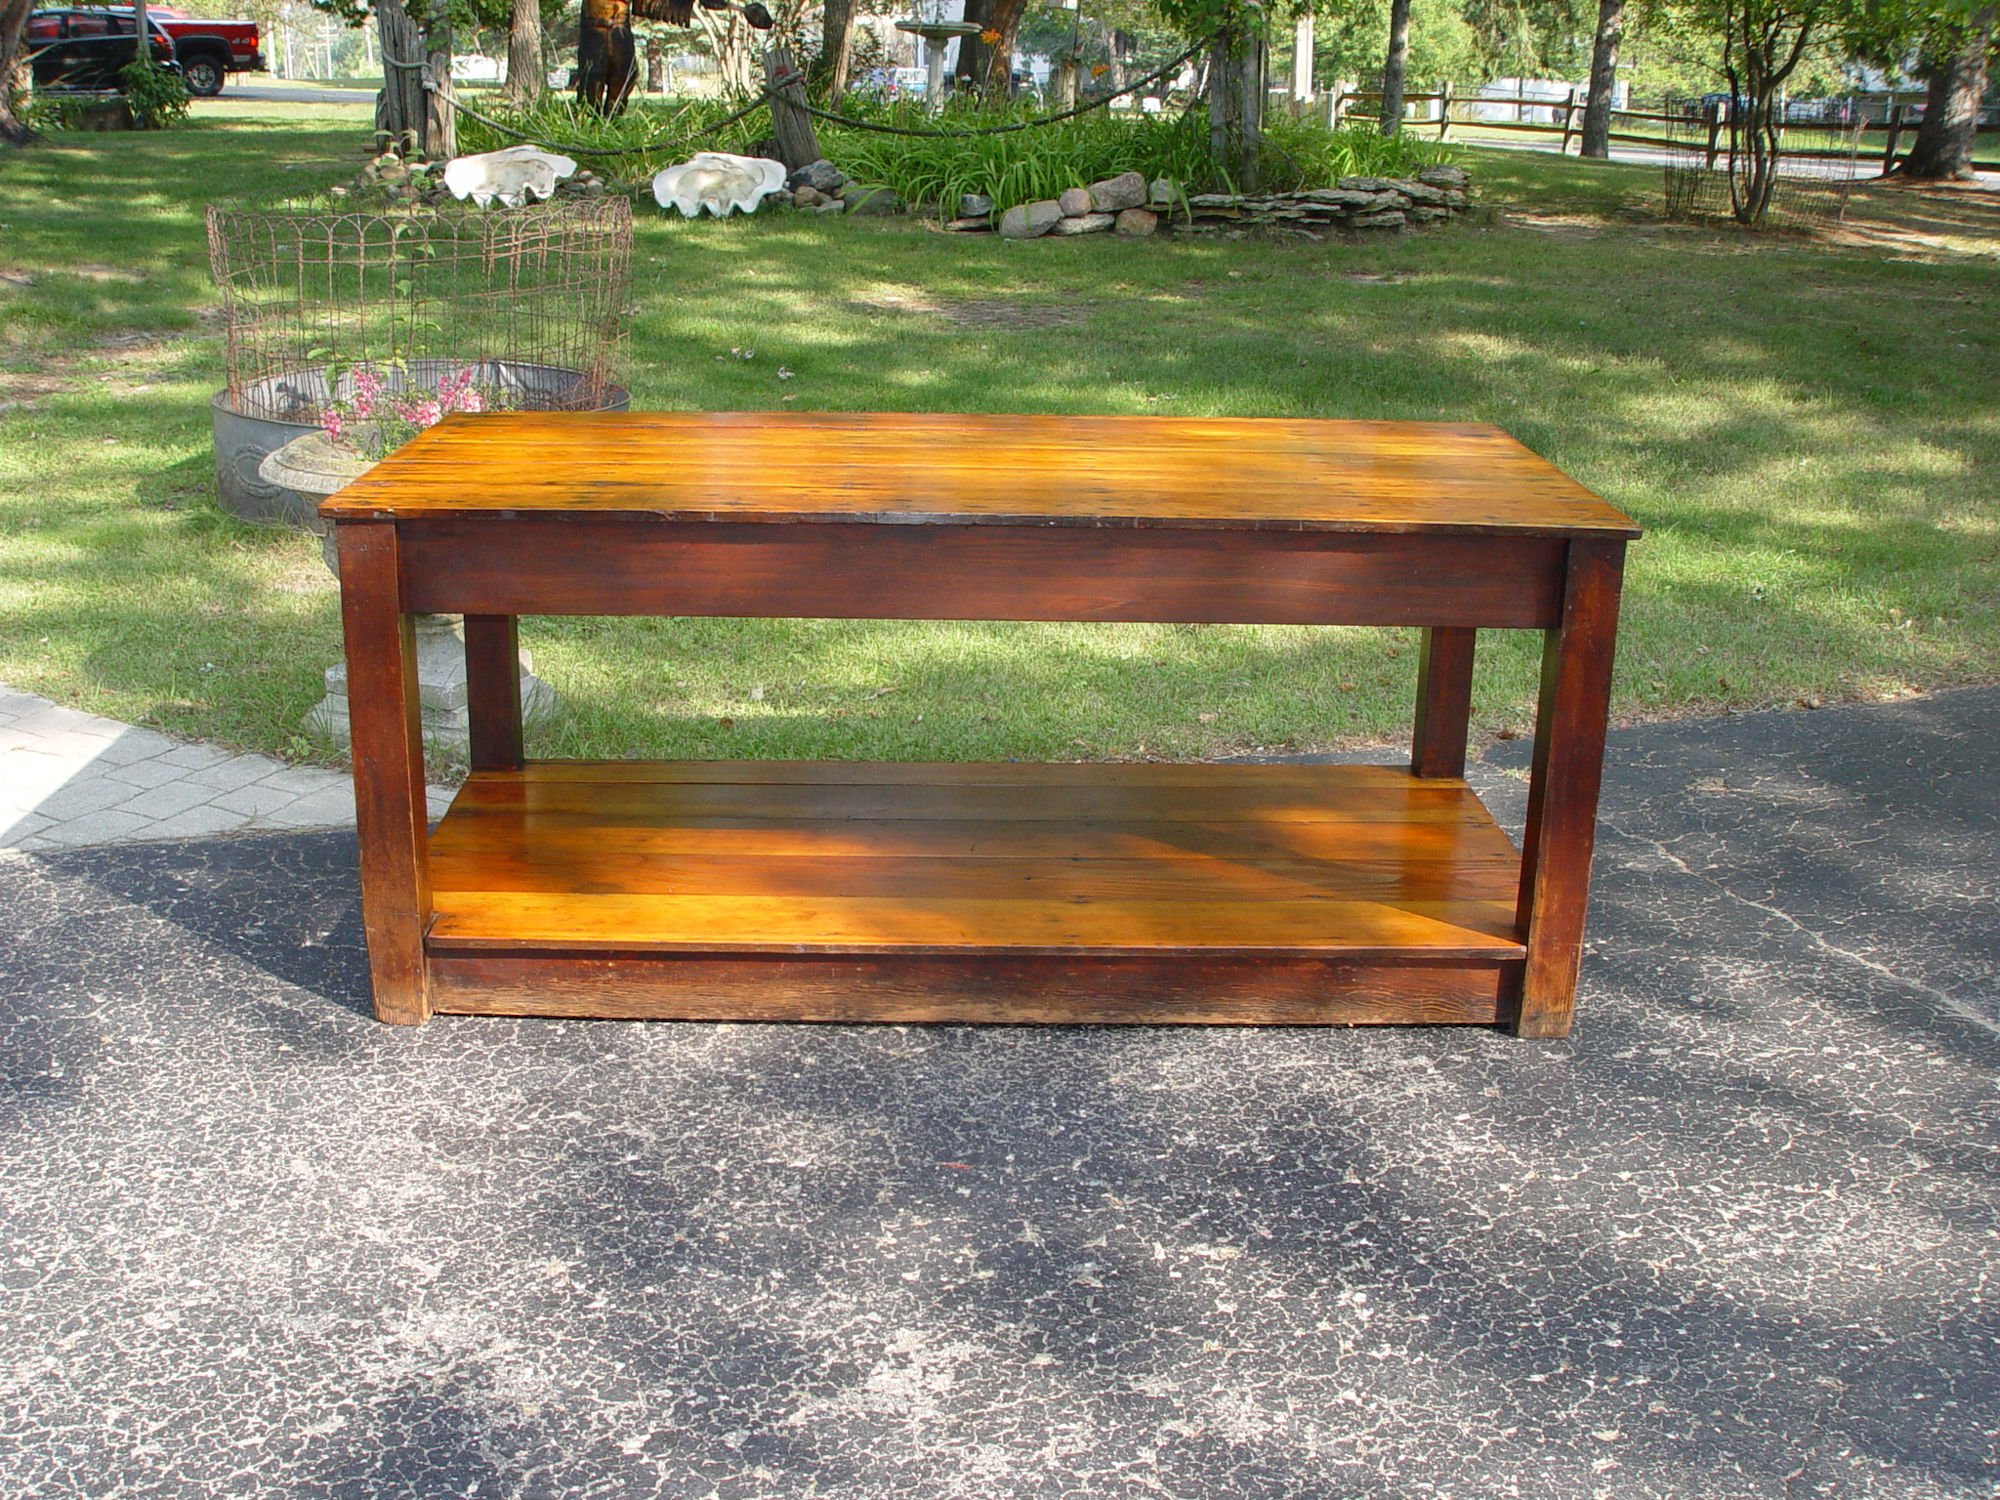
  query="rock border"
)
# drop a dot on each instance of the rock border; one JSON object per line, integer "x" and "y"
{"x": 1128, "y": 205}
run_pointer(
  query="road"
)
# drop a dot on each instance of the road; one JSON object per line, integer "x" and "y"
{"x": 279, "y": 91}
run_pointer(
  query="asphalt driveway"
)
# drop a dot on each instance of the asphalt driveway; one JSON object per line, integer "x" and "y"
{"x": 1737, "y": 1237}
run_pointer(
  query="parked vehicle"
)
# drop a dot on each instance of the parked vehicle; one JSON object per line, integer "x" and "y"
{"x": 85, "y": 50}
{"x": 207, "y": 51}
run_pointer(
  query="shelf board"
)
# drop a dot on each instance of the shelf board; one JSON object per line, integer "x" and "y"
{"x": 1006, "y": 861}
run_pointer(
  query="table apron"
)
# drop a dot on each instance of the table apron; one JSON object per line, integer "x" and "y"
{"x": 522, "y": 564}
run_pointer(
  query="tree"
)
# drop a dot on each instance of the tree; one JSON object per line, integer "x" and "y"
{"x": 1603, "y": 78}
{"x": 1238, "y": 60}
{"x": 836, "y": 46}
{"x": 1957, "y": 83}
{"x": 1003, "y": 24}
{"x": 13, "y": 25}
{"x": 525, "y": 67}
{"x": 1762, "y": 43}
{"x": 1394, "y": 66}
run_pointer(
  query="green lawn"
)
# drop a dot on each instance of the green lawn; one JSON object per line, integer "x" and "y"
{"x": 1807, "y": 430}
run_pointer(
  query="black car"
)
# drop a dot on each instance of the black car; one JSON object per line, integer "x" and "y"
{"x": 85, "y": 49}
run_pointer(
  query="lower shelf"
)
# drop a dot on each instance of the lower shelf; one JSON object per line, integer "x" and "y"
{"x": 917, "y": 892}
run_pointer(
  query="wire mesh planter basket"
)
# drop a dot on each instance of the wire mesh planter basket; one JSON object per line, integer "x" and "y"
{"x": 527, "y": 303}
{"x": 1712, "y": 168}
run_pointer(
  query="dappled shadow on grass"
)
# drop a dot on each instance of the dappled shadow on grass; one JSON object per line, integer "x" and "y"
{"x": 1774, "y": 412}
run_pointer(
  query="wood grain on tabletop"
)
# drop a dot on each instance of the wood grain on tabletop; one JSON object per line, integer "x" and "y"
{"x": 1254, "y": 473}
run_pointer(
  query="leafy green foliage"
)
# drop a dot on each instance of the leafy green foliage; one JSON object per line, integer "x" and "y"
{"x": 157, "y": 98}
{"x": 1300, "y": 154}
{"x": 646, "y": 137}
{"x": 1352, "y": 41}
{"x": 1016, "y": 167}
{"x": 1021, "y": 166}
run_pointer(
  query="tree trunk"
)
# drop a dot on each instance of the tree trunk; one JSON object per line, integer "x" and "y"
{"x": 399, "y": 108}
{"x": 1236, "y": 106}
{"x": 836, "y": 45}
{"x": 1943, "y": 149}
{"x": 1004, "y": 18}
{"x": 1302, "y": 58}
{"x": 1395, "y": 66}
{"x": 656, "y": 63}
{"x": 1062, "y": 79}
{"x": 1603, "y": 78}
{"x": 798, "y": 142}
{"x": 525, "y": 67}
{"x": 13, "y": 24}
{"x": 971, "y": 66}
{"x": 440, "y": 119}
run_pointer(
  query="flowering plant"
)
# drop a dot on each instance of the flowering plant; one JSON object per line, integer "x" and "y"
{"x": 376, "y": 420}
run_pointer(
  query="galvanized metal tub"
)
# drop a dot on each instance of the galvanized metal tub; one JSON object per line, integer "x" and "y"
{"x": 254, "y": 423}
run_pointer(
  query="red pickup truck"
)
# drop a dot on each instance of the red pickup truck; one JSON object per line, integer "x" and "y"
{"x": 208, "y": 51}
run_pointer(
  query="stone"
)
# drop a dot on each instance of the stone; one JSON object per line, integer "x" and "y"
{"x": 1444, "y": 176}
{"x": 1418, "y": 192}
{"x": 1135, "y": 223}
{"x": 821, "y": 176}
{"x": 832, "y": 206}
{"x": 1115, "y": 194}
{"x": 978, "y": 224}
{"x": 441, "y": 688}
{"x": 513, "y": 174}
{"x": 1216, "y": 200}
{"x": 1164, "y": 190}
{"x": 1336, "y": 197}
{"x": 1368, "y": 184}
{"x": 718, "y": 183}
{"x": 974, "y": 205}
{"x": 1075, "y": 202}
{"x": 1388, "y": 218}
{"x": 877, "y": 201}
{"x": 1454, "y": 199}
{"x": 805, "y": 195}
{"x": 1086, "y": 224}
{"x": 1423, "y": 213}
{"x": 1027, "y": 221}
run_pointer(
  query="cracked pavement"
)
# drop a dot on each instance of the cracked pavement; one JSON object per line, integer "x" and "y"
{"x": 1736, "y": 1237}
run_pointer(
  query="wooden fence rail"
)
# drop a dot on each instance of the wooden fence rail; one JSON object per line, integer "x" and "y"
{"x": 1713, "y": 120}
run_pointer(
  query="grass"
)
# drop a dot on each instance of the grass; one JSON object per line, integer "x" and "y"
{"x": 1807, "y": 430}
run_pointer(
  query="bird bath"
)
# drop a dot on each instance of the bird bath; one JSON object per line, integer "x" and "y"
{"x": 314, "y": 467}
{"x": 936, "y": 35}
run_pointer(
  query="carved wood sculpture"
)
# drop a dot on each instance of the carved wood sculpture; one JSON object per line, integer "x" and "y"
{"x": 606, "y": 55}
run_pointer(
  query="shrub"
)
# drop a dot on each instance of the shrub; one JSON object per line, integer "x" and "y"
{"x": 1018, "y": 166}
{"x": 157, "y": 97}
{"x": 646, "y": 137}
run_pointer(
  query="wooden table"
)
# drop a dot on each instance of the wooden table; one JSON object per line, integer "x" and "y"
{"x": 757, "y": 890}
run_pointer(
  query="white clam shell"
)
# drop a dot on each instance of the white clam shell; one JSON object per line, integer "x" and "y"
{"x": 513, "y": 174}
{"x": 718, "y": 183}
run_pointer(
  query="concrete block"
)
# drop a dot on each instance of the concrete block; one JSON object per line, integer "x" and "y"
{"x": 234, "y": 771}
{"x": 167, "y": 799}
{"x": 107, "y": 827}
{"x": 197, "y": 822}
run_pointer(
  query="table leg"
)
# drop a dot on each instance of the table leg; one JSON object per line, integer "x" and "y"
{"x": 1444, "y": 701}
{"x": 493, "y": 691}
{"x": 390, "y": 811}
{"x": 1570, "y": 723}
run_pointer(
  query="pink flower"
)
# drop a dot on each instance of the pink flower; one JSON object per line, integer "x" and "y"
{"x": 332, "y": 423}
{"x": 471, "y": 401}
{"x": 367, "y": 386}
